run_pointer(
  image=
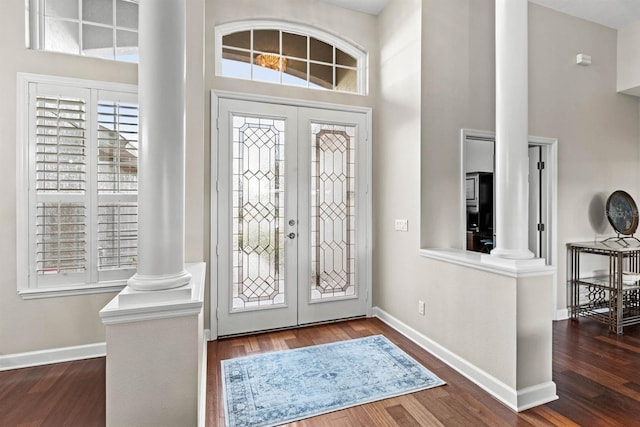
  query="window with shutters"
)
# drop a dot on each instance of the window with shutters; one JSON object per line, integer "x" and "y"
{"x": 77, "y": 186}
{"x": 100, "y": 28}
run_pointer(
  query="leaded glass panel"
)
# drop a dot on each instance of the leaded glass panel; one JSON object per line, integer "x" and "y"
{"x": 332, "y": 211}
{"x": 258, "y": 212}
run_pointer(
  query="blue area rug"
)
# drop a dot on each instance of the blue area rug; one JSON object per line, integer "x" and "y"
{"x": 275, "y": 388}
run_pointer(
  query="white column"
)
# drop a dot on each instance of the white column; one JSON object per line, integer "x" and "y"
{"x": 512, "y": 129}
{"x": 161, "y": 93}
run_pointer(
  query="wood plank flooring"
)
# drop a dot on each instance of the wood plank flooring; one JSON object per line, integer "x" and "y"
{"x": 597, "y": 375}
{"x": 64, "y": 394}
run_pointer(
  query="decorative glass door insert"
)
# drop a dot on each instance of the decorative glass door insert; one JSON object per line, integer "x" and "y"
{"x": 289, "y": 214}
{"x": 332, "y": 211}
{"x": 258, "y": 212}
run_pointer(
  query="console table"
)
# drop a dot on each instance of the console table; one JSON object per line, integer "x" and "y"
{"x": 611, "y": 295}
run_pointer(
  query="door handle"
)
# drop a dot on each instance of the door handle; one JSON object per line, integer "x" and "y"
{"x": 291, "y": 235}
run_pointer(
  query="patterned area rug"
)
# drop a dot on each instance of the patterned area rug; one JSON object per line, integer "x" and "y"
{"x": 276, "y": 388}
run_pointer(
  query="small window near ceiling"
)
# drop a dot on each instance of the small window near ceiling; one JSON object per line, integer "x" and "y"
{"x": 289, "y": 55}
{"x": 98, "y": 28}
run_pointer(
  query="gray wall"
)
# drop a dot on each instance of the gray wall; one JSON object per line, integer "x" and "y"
{"x": 354, "y": 27}
{"x": 69, "y": 321}
{"x": 57, "y": 322}
{"x": 422, "y": 103}
{"x": 470, "y": 312}
{"x": 597, "y": 128}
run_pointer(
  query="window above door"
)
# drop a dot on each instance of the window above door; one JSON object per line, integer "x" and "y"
{"x": 288, "y": 54}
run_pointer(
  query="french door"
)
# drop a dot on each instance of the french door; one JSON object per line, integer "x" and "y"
{"x": 293, "y": 216}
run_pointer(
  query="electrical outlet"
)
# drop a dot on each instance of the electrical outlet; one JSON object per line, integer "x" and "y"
{"x": 421, "y": 308}
{"x": 402, "y": 225}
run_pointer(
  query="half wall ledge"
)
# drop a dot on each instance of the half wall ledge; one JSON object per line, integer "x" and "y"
{"x": 490, "y": 263}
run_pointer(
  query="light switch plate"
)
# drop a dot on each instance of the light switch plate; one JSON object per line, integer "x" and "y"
{"x": 402, "y": 225}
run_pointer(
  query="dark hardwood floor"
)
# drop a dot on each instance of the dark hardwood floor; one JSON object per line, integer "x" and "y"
{"x": 64, "y": 394}
{"x": 597, "y": 374}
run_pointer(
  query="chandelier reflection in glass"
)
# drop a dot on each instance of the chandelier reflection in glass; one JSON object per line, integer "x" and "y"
{"x": 274, "y": 62}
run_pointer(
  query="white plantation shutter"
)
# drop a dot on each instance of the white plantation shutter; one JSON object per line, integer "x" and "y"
{"x": 117, "y": 235}
{"x": 61, "y": 238}
{"x": 59, "y": 133}
{"x": 60, "y": 144}
{"x": 117, "y": 164}
{"x": 80, "y": 166}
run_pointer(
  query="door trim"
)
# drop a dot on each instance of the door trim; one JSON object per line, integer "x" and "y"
{"x": 215, "y": 97}
{"x": 550, "y": 149}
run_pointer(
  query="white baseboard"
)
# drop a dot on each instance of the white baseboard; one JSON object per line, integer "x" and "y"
{"x": 64, "y": 354}
{"x": 562, "y": 314}
{"x": 517, "y": 400}
{"x": 530, "y": 397}
{"x": 202, "y": 395}
{"x": 54, "y": 355}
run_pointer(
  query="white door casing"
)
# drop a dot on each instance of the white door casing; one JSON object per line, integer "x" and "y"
{"x": 330, "y": 281}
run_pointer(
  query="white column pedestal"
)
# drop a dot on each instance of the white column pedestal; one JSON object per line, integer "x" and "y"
{"x": 155, "y": 356}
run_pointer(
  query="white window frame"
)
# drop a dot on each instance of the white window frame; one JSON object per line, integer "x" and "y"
{"x": 359, "y": 54}
{"x": 36, "y": 36}
{"x": 28, "y": 287}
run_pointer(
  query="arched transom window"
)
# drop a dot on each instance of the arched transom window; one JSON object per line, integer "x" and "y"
{"x": 289, "y": 55}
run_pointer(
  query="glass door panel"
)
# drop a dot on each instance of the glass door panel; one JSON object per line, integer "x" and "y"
{"x": 293, "y": 228}
{"x": 332, "y": 205}
{"x": 257, "y": 189}
{"x": 258, "y": 212}
{"x": 333, "y": 208}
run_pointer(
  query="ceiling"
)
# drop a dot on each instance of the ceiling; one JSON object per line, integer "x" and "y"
{"x": 611, "y": 13}
{"x": 372, "y": 7}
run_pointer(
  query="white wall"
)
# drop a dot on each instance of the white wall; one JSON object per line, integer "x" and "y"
{"x": 69, "y": 321}
{"x": 354, "y": 27}
{"x": 57, "y": 322}
{"x": 469, "y": 312}
{"x": 424, "y": 100}
{"x": 597, "y": 130}
{"x": 396, "y": 159}
{"x": 596, "y": 127}
{"x": 458, "y": 91}
{"x": 456, "y": 316}
{"x": 628, "y": 58}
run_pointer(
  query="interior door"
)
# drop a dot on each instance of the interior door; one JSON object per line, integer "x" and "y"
{"x": 537, "y": 202}
{"x": 292, "y": 216}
